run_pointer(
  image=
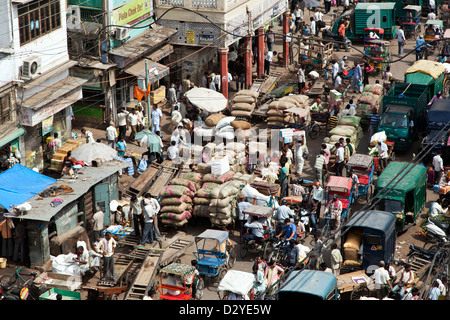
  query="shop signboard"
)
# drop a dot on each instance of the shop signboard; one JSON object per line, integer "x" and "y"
{"x": 47, "y": 125}
{"x": 131, "y": 12}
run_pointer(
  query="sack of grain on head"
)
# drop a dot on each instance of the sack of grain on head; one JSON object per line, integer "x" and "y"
{"x": 239, "y": 124}
{"x": 213, "y": 119}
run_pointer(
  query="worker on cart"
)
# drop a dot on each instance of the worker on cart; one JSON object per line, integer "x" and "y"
{"x": 316, "y": 106}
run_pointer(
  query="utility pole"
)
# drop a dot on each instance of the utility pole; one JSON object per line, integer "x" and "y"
{"x": 149, "y": 108}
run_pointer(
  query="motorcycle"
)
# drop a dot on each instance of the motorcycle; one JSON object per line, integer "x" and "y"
{"x": 266, "y": 246}
{"x": 328, "y": 36}
{"x": 418, "y": 252}
{"x": 437, "y": 231}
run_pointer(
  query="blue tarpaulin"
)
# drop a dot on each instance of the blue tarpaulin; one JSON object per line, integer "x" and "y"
{"x": 19, "y": 184}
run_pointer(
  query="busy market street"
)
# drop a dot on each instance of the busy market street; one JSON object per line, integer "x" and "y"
{"x": 298, "y": 151}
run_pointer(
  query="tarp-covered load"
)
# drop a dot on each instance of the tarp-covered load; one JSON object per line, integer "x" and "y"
{"x": 19, "y": 184}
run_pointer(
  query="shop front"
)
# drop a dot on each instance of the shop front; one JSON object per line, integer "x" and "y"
{"x": 46, "y": 113}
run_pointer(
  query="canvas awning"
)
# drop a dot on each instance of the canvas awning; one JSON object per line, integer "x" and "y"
{"x": 12, "y": 135}
{"x": 156, "y": 71}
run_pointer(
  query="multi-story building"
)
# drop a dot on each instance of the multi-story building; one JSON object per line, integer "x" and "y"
{"x": 34, "y": 58}
{"x": 111, "y": 40}
{"x": 212, "y": 24}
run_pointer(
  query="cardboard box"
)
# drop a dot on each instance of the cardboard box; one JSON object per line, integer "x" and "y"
{"x": 158, "y": 95}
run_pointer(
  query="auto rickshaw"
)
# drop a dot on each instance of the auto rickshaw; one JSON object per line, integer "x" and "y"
{"x": 236, "y": 285}
{"x": 309, "y": 285}
{"x": 401, "y": 189}
{"x": 368, "y": 237}
{"x": 178, "y": 282}
{"x": 214, "y": 255}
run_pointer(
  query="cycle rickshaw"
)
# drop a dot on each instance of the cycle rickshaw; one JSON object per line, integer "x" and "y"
{"x": 236, "y": 285}
{"x": 362, "y": 165}
{"x": 214, "y": 255}
{"x": 342, "y": 188}
{"x": 179, "y": 282}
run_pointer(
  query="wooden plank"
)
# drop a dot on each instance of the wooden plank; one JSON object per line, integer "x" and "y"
{"x": 345, "y": 282}
{"x": 161, "y": 181}
{"x": 139, "y": 184}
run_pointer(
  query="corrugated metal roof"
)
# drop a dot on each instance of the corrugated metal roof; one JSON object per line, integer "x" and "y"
{"x": 140, "y": 45}
{"x": 53, "y": 93}
{"x": 43, "y": 211}
{"x": 157, "y": 71}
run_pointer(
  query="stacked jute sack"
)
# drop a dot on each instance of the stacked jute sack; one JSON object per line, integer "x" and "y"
{"x": 203, "y": 195}
{"x": 370, "y": 98}
{"x": 347, "y": 127}
{"x": 276, "y": 116}
{"x": 176, "y": 199}
{"x": 224, "y": 202}
{"x": 243, "y": 103}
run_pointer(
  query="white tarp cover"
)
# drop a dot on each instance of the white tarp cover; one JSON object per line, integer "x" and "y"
{"x": 207, "y": 99}
{"x": 239, "y": 282}
{"x": 95, "y": 150}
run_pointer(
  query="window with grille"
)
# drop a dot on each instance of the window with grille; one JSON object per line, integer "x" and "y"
{"x": 5, "y": 109}
{"x": 38, "y": 18}
{"x": 204, "y": 3}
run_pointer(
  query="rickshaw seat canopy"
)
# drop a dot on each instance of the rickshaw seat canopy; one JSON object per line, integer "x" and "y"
{"x": 380, "y": 30}
{"x": 238, "y": 282}
{"x": 219, "y": 235}
{"x": 309, "y": 283}
{"x": 413, "y": 7}
{"x": 400, "y": 185}
{"x": 360, "y": 160}
{"x": 182, "y": 270}
{"x": 428, "y": 67}
{"x": 339, "y": 184}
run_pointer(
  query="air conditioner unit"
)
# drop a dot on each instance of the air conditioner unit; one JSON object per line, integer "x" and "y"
{"x": 31, "y": 67}
{"x": 73, "y": 18}
{"x": 122, "y": 33}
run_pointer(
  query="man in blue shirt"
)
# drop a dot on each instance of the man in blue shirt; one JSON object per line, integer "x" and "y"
{"x": 373, "y": 123}
{"x": 289, "y": 230}
{"x": 121, "y": 147}
{"x": 419, "y": 44}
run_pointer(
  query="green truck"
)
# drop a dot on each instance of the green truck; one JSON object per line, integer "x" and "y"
{"x": 401, "y": 105}
{"x": 401, "y": 189}
{"x": 369, "y": 15}
{"x": 429, "y": 73}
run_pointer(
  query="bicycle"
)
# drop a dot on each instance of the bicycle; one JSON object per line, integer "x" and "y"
{"x": 326, "y": 228}
{"x": 313, "y": 129}
{"x": 16, "y": 285}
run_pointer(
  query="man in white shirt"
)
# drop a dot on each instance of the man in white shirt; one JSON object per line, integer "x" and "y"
{"x": 148, "y": 199}
{"x": 243, "y": 218}
{"x": 436, "y": 209}
{"x": 431, "y": 16}
{"x": 256, "y": 230}
{"x": 156, "y": 118}
{"x": 268, "y": 60}
{"x": 339, "y": 160}
{"x": 336, "y": 259}
{"x": 122, "y": 122}
{"x": 55, "y": 143}
{"x": 298, "y": 17}
{"x": 149, "y": 215}
{"x": 382, "y": 281}
{"x": 383, "y": 153}
{"x": 88, "y": 135}
{"x": 133, "y": 120}
{"x": 438, "y": 166}
{"x": 406, "y": 279}
{"x": 401, "y": 40}
{"x": 98, "y": 224}
{"x": 334, "y": 69}
{"x": 318, "y": 15}
{"x": 312, "y": 27}
{"x": 173, "y": 151}
{"x": 111, "y": 135}
{"x": 338, "y": 80}
{"x": 106, "y": 248}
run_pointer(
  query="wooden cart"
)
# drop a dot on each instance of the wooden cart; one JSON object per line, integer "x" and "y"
{"x": 313, "y": 53}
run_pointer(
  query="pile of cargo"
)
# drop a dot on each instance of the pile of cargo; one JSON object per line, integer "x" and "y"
{"x": 277, "y": 115}
{"x": 243, "y": 103}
